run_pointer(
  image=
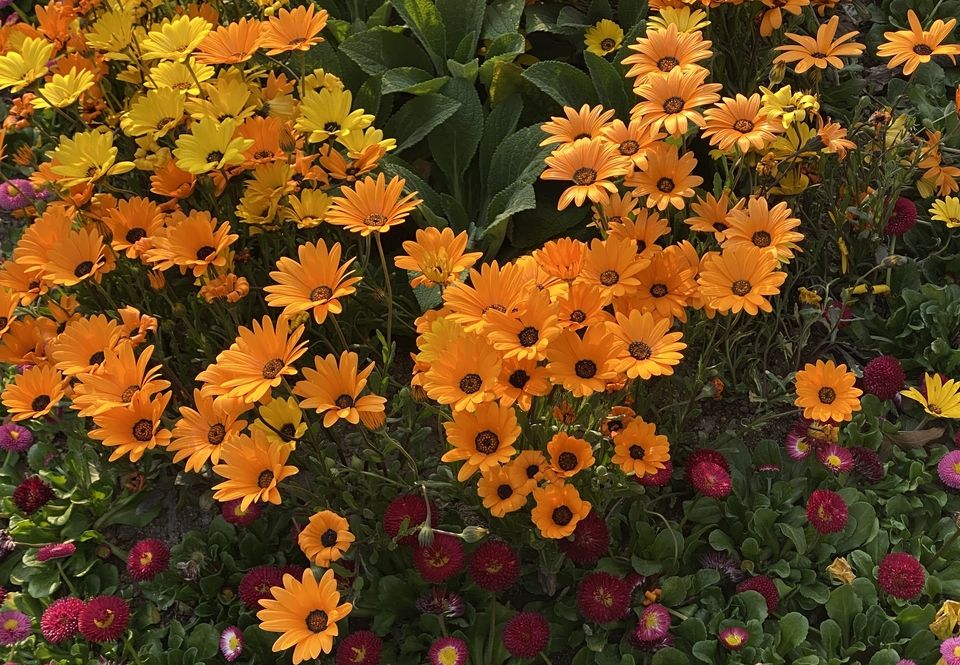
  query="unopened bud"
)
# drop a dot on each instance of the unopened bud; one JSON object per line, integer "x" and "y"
{"x": 473, "y": 534}
{"x": 777, "y": 72}
{"x": 425, "y": 537}
{"x": 893, "y": 260}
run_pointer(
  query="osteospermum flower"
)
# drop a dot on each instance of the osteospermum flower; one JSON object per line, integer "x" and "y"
{"x": 603, "y": 598}
{"x": 590, "y": 165}
{"x": 603, "y": 38}
{"x": 104, "y": 619}
{"x": 333, "y": 388}
{"x": 734, "y": 638}
{"x": 306, "y": 613}
{"x": 19, "y": 67}
{"x": 946, "y": 210}
{"x": 820, "y": 52}
{"x": 739, "y": 122}
{"x": 32, "y": 494}
{"x": 174, "y": 39}
{"x": 502, "y": 490}
{"x": 639, "y": 450}
{"x": 586, "y": 123}
{"x": 826, "y": 391}
{"x": 765, "y": 587}
{"x": 86, "y": 157}
{"x": 526, "y": 634}
{"x": 195, "y": 243}
{"x": 441, "y": 559}
{"x": 15, "y": 438}
{"x": 646, "y": 347}
{"x": 494, "y": 566}
{"x": 739, "y": 279}
{"x": 372, "y": 205}
{"x": 61, "y": 619}
{"x": 294, "y": 30}
{"x": 481, "y": 439}
{"x": 670, "y": 100}
{"x": 667, "y": 180}
{"x": 827, "y": 511}
{"x": 589, "y": 542}
{"x": 772, "y": 229}
{"x": 558, "y": 510}
{"x": 437, "y": 257}
{"x": 901, "y": 575}
{"x": 916, "y": 46}
{"x": 582, "y": 365}
{"x": 448, "y": 651}
{"x": 253, "y": 468}
{"x": 940, "y": 399}
{"x": 147, "y": 559}
{"x": 948, "y": 468}
{"x": 135, "y": 428}
{"x": 884, "y": 377}
{"x": 210, "y": 146}
{"x": 663, "y": 50}
{"x": 233, "y": 43}
{"x": 836, "y": 458}
{"x": 325, "y": 538}
{"x": 231, "y": 643}
{"x": 362, "y": 647}
{"x": 569, "y": 454}
{"x": 56, "y": 551}
{"x": 15, "y": 627}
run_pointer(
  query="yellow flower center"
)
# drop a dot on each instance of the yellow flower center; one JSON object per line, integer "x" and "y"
{"x": 146, "y": 558}
{"x": 833, "y": 460}
{"x": 10, "y": 624}
{"x": 448, "y": 655}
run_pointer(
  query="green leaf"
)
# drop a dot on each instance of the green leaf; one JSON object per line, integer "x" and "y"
{"x": 519, "y": 157}
{"x": 609, "y": 82}
{"x": 630, "y": 12}
{"x": 842, "y": 606}
{"x": 865, "y": 527}
{"x": 380, "y": 49}
{"x": 516, "y": 198}
{"x": 205, "y": 639}
{"x": 454, "y": 143}
{"x": 467, "y": 72}
{"x": 830, "y": 636}
{"x": 793, "y": 631}
{"x": 795, "y": 534}
{"x": 670, "y": 656}
{"x": 422, "y": 17}
{"x": 461, "y": 18}
{"x": 412, "y": 80}
{"x": 419, "y": 117}
{"x": 563, "y": 83}
{"x": 499, "y": 124}
{"x": 502, "y": 16}
{"x": 885, "y": 657}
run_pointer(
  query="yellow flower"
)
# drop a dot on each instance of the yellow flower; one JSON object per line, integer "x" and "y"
{"x": 686, "y": 19}
{"x": 64, "y": 89}
{"x": 808, "y": 297}
{"x": 841, "y": 571}
{"x": 946, "y": 210}
{"x": 787, "y": 106}
{"x": 327, "y": 113}
{"x": 210, "y": 146}
{"x": 603, "y": 38}
{"x": 945, "y": 623}
{"x": 153, "y": 114}
{"x": 21, "y": 67}
{"x": 179, "y": 76}
{"x": 357, "y": 142}
{"x": 86, "y": 157}
{"x": 942, "y": 399}
{"x": 308, "y": 210}
{"x": 281, "y": 420}
{"x": 176, "y": 39}
{"x": 111, "y": 33}
{"x": 226, "y": 97}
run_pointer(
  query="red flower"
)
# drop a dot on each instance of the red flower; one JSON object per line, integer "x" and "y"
{"x": 901, "y": 575}
{"x": 234, "y": 514}
{"x": 148, "y": 558}
{"x": 411, "y": 509}
{"x": 441, "y": 559}
{"x": 705, "y": 455}
{"x": 867, "y": 463}
{"x": 55, "y": 551}
{"x": 32, "y": 494}
{"x": 711, "y": 480}
{"x": 255, "y": 585}
{"x": 589, "y": 541}
{"x": 526, "y": 635}
{"x": 603, "y": 598}
{"x": 61, "y": 620}
{"x": 494, "y": 566}
{"x": 360, "y": 648}
{"x": 827, "y": 511}
{"x": 902, "y": 218}
{"x": 765, "y": 587}
{"x": 659, "y": 479}
{"x": 104, "y": 618}
{"x": 883, "y": 376}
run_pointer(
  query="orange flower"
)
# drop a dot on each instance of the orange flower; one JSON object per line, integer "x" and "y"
{"x": 230, "y": 44}
{"x": 662, "y": 51}
{"x": 822, "y": 51}
{"x": 252, "y": 468}
{"x": 589, "y": 164}
{"x": 121, "y": 377}
{"x": 81, "y": 255}
{"x": 21, "y": 286}
{"x": 772, "y": 18}
{"x": 586, "y": 123}
{"x": 645, "y": 227}
{"x": 770, "y": 229}
{"x": 334, "y": 388}
{"x": 562, "y": 258}
{"x": 315, "y": 283}
{"x": 437, "y": 256}
{"x": 194, "y": 243}
{"x": 639, "y": 450}
{"x": 670, "y": 100}
{"x": 33, "y": 393}
{"x": 502, "y": 492}
{"x": 372, "y": 206}
{"x": 667, "y": 179}
{"x": 465, "y": 375}
{"x": 740, "y": 122}
{"x": 916, "y": 46}
{"x": 740, "y": 278}
{"x": 710, "y": 214}
{"x": 229, "y": 287}
{"x": 569, "y": 455}
{"x": 826, "y": 391}
{"x": 665, "y": 288}
{"x": 632, "y": 140}
{"x": 296, "y": 30}
{"x": 492, "y": 288}
{"x": 645, "y": 347}
{"x": 582, "y": 365}
{"x": 201, "y": 432}
{"x": 325, "y": 538}
{"x": 172, "y": 181}
{"x": 558, "y": 510}
{"x": 84, "y": 343}
{"x": 520, "y": 381}
{"x": 133, "y": 429}
{"x": 526, "y": 334}
{"x": 613, "y": 265}
{"x": 133, "y": 223}
{"x": 482, "y": 439}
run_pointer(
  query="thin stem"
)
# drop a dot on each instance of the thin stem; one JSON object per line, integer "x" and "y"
{"x": 388, "y": 287}
{"x": 66, "y": 579}
{"x": 493, "y": 629}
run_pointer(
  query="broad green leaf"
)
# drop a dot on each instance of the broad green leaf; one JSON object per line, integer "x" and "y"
{"x": 423, "y": 18}
{"x": 520, "y": 196}
{"x": 412, "y": 80}
{"x": 563, "y": 83}
{"x": 842, "y": 606}
{"x": 461, "y": 18}
{"x": 395, "y": 166}
{"x": 205, "y": 639}
{"x": 502, "y": 16}
{"x": 830, "y": 637}
{"x": 630, "y": 12}
{"x": 499, "y": 124}
{"x": 380, "y": 49}
{"x": 419, "y": 117}
{"x": 519, "y": 158}
{"x": 670, "y": 656}
{"x": 467, "y": 71}
{"x": 454, "y": 143}
{"x": 793, "y": 631}
{"x": 610, "y": 84}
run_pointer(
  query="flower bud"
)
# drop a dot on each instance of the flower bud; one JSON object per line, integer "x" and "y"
{"x": 473, "y": 534}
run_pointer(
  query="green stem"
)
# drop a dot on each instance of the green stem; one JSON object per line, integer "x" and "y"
{"x": 388, "y": 287}
{"x": 66, "y": 580}
{"x": 493, "y": 630}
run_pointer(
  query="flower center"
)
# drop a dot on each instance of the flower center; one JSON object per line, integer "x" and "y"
{"x": 143, "y": 430}
{"x": 128, "y": 394}
{"x": 376, "y": 219}
{"x": 329, "y": 538}
{"x": 673, "y": 105}
{"x": 504, "y": 492}
{"x": 667, "y": 63}
{"x": 216, "y": 434}
{"x": 448, "y": 655}
{"x": 761, "y": 239}
{"x": 741, "y": 287}
{"x": 316, "y": 621}
{"x": 659, "y": 290}
{"x": 135, "y": 234}
{"x": 636, "y": 452}
{"x": 215, "y": 156}
{"x": 288, "y": 432}
{"x": 640, "y": 350}
{"x": 518, "y": 379}
{"x": 532, "y": 471}
{"x": 567, "y": 461}
{"x": 922, "y": 49}
{"x": 272, "y": 368}
{"x": 321, "y": 294}
{"x": 528, "y": 336}
{"x": 743, "y": 125}
{"x": 827, "y": 395}
{"x": 607, "y": 44}
{"x": 609, "y": 277}
{"x": 470, "y": 383}
{"x": 331, "y": 127}
{"x": 561, "y": 516}
{"x": 344, "y": 402}
{"x": 486, "y": 442}
{"x": 665, "y": 185}
{"x": 585, "y": 369}
{"x": 584, "y": 176}
{"x": 40, "y": 402}
{"x": 146, "y": 559}
{"x": 578, "y": 315}
{"x": 83, "y": 268}
{"x": 204, "y": 252}
{"x": 265, "y": 479}
{"x": 629, "y": 147}
{"x": 106, "y": 620}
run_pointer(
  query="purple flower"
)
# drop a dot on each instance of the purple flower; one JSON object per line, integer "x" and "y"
{"x": 796, "y": 443}
{"x": 653, "y": 624}
{"x": 231, "y": 643}
{"x": 14, "y": 627}
{"x": 15, "y": 194}
{"x": 724, "y": 564}
{"x": 950, "y": 650}
{"x": 734, "y": 638}
{"x": 15, "y": 438}
{"x": 440, "y": 601}
{"x": 56, "y": 551}
{"x": 949, "y": 469}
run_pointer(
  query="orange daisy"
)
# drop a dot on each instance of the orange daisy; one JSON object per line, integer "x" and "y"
{"x": 645, "y": 345}
{"x": 662, "y": 51}
{"x": 613, "y": 265}
{"x": 133, "y": 429}
{"x": 826, "y": 391}
{"x": 740, "y": 122}
{"x": 372, "y": 206}
{"x": 296, "y": 30}
{"x": 437, "y": 257}
{"x": 582, "y": 365}
{"x": 120, "y": 378}
{"x": 133, "y": 223}
{"x": 558, "y": 510}
{"x": 587, "y": 123}
{"x": 33, "y": 393}
{"x": 334, "y": 388}
{"x": 482, "y": 439}
{"x": 770, "y": 229}
{"x": 740, "y": 278}
{"x": 253, "y": 468}
{"x": 916, "y": 46}
{"x": 667, "y": 179}
{"x": 81, "y": 255}
{"x": 671, "y": 100}
{"x": 202, "y": 431}
{"x": 193, "y": 243}
{"x": 315, "y": 283}
{"x": 822, "y": 51}
{"x": 231, "y": 44}
{"x": 84, "y": 343}
{"x": 590, "y": 164}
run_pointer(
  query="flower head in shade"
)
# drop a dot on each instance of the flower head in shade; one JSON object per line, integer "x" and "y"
{"x": 363, "y": 647}
{"x": 32, "y": 494}
{"x": 441, "y": 559}
{"x": 147, "y": 559}
{"x": 234, "y": 513}
{"x": 256, "y": 584}
{"x": 652, "y": 646}
{"x": 944, "y": 624}
{"x": 526, "y": 635}
{"x": 867, "y": 463}
{"x": 558, "y": 510}
{"x": 883, "y": 376}
{"x": 55, "y": 551}
{"x": 734, "y": 638}
{"x": 15, "y": 438}
{"x": 948, "y": 468}
{"x": 15, "y": 194}
{"x": 841, "y": 571}
{"x": 104, "y": 619}
{"x": 61, "y": 619}
{"x": 653, "y": 624}
{"x": 659, "y": 479}
{"x": 408, "y": 512}
{"x": 495, "y": 566}
{"x": 711, "y": 480}
{"x": 940, "y": 397}
{"x": 901, "y": 575}
{"x": 448, "y": 651}
{"x": 724, "y": 564}
{"x": 950, "y": 650}
{"x": 442, "y": 602}
{"x": 14, "y": 627}
{"x": 231, "y": 643}
{"x": 765, "y": 587}
{"x": 903, "y": 217}
{"x": 835, "y": 458}
{"x": 827, "y": 511}
{"x": 589, "y": 541}
{"x": 603, "y": 598}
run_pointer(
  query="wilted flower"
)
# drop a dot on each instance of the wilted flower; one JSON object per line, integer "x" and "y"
{"x": 841, "y": 571}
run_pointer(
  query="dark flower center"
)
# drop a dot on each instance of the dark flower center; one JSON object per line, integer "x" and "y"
{"x": 504, "y": 492}
{"x": 288, "y": 432}
{"x": 272, "y": 368}
{"x": 827, "y": 395}
{"x": 629, "y": 147}
{"x": 262, "y": 154}
{"x": 128, "y": 394}
{"x": 83, "y": 268}
{"x": 329, "y": 538}
{"x": 673, "y": 105}
{"x": 584, "y": 176}
{"x": 578, "y": 315}
{"x": 518, "y": 379}
{"x": 922, "y": 49}
{"x": 143, "y": 430}
{"x": 40, "y": 402}
{"x": 331, "y": 127}
{"x": 344, "y": 402}
{"x": 640, "y": 350}
{"x": 216, "y": 434}
{"x": 585, "y": 369}
{"x": 741, "y": 287}
{"x": 665, "y": 185}
{"x": 659, "y": 290}
{"x": 667, "y": 63}
{"x": 818, "y": 55}
{"x": 135, "y": 234}
{"x": 607, "y": 44}
{"x": 470, "y": 383}
{"x": 215, "y": 156}
{"x": 761, "y": 239}
{"x": 567, "y": 461}
{"x": 636, "y": 452}
{"x": 528, "y": 336}
{"x": 609, "y": 277}
{"x": 204, "y": 252}
{"x": 265, "y": 479}
{"x": 317, "y": 621}
{"x": 321, "y": 294}
{"x": 486, "y": 442}
{"x": 96, "y": 358}
{"x": 532, "y": 471}
{"x": 743, "y": 125}
{"x": 561, "y": 516}
{"x": 375, "y": 219}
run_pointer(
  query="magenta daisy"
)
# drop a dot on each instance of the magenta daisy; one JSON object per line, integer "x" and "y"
{"x": 495, "y": 566}
{"x": 835, "y": 458}
{"x": 901, "y": 575}
{"x": 441, "y": 559}
{"x": 409, "y": 512}
{"x": 15, "y": 438}
{"x": 448, "y": 651}
{"x": 734, "y": 638}
{"x": 526, "y": 635}
{"x": 234, "y": 513}
{"x": 32, "y": 494}
{"x": 442, "y": 602}
{"x": 231, "y": 643}
{"x": 61, "y": 620}
{"x": 104, "y": 619}
{"x": 14, "y": 627}
{"x": 659, "y": 479}
{"x": 950, "y": 650}
{"x": 589, "y": 542}
{"x": 827, "y": 511}
{"x": 603, "y": 598}
{"x": 256, "y": 583}
{"x": 883, "y": 376}
{"x": 653, "y": 624}
{"x": 710, "y": 479}
{"x": 765, "y": 587}
{"x": 797, "y": 444}
{"x": 56, "y": 551}
{"x": 948, "y": 468}
{"x": 147, "y": 559}
{"x": 360, "y": 648}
